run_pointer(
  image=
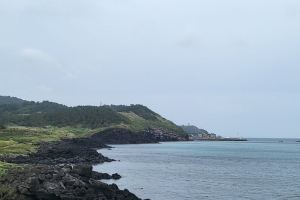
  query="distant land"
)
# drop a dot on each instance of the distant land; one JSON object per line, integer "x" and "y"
{"x": 200, "y": 134}
{"x": 191, "y": 129}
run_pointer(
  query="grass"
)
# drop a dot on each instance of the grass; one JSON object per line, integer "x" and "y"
{"x": 19, "y": 139}
{"x": 6, "y": 191}
{"x": 139, "y": 123}
{"x": 22, "y": 140}
{"x": 5, "y": 165}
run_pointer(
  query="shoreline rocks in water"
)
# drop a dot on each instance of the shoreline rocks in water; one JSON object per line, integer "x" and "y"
{"x": 124, "y": 136}
{"x": 48, "y": 182}
{"x": 63, "y": 169}
{"x": 66, "y": 151}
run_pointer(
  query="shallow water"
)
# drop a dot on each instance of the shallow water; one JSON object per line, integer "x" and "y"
{"x": 256, "y": 169}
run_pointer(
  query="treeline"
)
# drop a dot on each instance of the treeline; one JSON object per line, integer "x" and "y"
{"x": 30, "y": 107}
{"x": 10, "y": 100}
{"x": 87, "y": 116}
{"x": 39, "y": 114}
{"x": 138, "y": 109}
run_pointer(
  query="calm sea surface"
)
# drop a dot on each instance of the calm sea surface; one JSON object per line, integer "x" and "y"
{"x": 256, "y": 169}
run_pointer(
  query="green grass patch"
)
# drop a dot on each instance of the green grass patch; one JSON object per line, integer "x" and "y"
{"x": 20, "y": 139}
{"x": 6, "y": 191}
{"x": 139, "y": 123}
{"x": 5, "y": 165}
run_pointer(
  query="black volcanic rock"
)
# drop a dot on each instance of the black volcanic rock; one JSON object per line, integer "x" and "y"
{"x": 62, "y": 169}
{"x": 77, "y": 150}
{"x": 48, "y": 182}
{"x": 124, "y": 136}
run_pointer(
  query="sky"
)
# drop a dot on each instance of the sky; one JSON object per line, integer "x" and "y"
{"x": 230, "y": 67}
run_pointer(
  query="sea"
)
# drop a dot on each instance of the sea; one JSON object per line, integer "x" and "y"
{"x": 253, "y": 169}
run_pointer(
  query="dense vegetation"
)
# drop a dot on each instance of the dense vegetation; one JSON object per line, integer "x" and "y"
{"x": 30, "y": 107}
{"x": 42, "y": 114}
{"x": 10, "y": 100}
{"x": 138, "y": 109}
{"x": 86, "y": 116}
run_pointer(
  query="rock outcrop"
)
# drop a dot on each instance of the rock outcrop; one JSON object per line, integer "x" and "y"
{"x": 65, "y": 151}
{"x": 124, "y": 136}
{"x": 48, "y": 182}
{"x": 63, "y": 169}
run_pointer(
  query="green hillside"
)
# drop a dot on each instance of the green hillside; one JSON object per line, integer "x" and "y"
{"x": 29, "y": 107}
{"x": 35, "y": 121}
{"x": 11, "y": 100}
{"x": 41, "y": 114}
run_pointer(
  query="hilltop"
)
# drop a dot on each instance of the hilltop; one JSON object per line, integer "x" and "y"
{"x": 11, "y": 100}
{"x": 14, "y": 111}
{"x": 30, "y": 121}
{"x": 191, "y": 129}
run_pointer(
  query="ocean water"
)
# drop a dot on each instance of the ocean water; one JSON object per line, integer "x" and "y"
{"x": 256, "y": 169}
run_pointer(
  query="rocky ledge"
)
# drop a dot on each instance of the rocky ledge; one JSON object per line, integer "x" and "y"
{"x": 48, "y": 182}
{"x": 65, "y": 151}
{"x": 124, "y": 136}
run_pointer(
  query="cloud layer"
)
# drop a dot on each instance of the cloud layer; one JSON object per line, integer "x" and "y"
{"x": 226, "y": 66}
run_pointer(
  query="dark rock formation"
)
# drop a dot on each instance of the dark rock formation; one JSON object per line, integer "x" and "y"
{"x": 99, "y": 176}
{"x": 124, "y": 136}
{"x": 76, "y": 150}
{"x": 62, "y": 169}
{"x": 46, "y": 182}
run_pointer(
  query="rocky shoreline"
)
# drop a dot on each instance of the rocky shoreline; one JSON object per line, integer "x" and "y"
{"x": 54, "y": 182}
{"x": 124, "y": 136}
{"x": 62, "y": 170}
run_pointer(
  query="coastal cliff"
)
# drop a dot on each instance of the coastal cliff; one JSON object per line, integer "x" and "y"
{"x": 124, "y": 136}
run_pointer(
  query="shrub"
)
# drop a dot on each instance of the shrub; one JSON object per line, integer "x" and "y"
{"x": 7, "y": 192}
{"x": 2, "y": 126}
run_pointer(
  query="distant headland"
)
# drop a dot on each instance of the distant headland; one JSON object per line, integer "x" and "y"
{"x": 200, "y": 134}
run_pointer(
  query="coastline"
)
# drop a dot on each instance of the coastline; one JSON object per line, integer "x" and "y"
{"x": 63, "y": 169}
{"x": 223, "y": 139}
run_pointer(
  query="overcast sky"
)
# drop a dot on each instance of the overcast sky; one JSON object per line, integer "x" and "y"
{"x": 231, "y": 67}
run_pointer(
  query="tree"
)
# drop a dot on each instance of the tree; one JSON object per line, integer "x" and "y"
{"x": 2, "y": 126}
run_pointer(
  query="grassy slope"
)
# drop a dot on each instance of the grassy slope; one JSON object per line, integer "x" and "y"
{"x": 139, "y": 123}
{"x": 72, "y": 122}
{"x": 19, "y": 139}
{"x": 22, "y": 140}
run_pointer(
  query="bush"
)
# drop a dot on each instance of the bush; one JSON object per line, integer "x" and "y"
{"x": 2, "y": 126}
{"x": 7, "y": 192}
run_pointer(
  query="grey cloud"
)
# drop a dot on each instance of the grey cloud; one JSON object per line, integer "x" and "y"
{"x": 38, "y": 60}
{"x": 214, "y": 63}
